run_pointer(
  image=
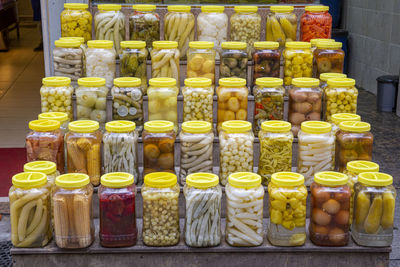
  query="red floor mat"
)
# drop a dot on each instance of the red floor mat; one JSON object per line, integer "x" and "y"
{"x": 12, "y": 161}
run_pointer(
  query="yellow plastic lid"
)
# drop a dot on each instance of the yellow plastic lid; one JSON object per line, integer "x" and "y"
{"x": 355, "y": 126}
{"x": 80, "y": 39}
{"x": 44, "y": 125}
{"x": 83, "y": 126}
{"x": 232, "y": 82}
{"x": 298, "y": 45}
{"x": 72, "y": 180}
{"x": 198, "y": 82}
{"x": 234, "y": 45}
{"x": 55, "y": 116}
{"x": 120, "y": 126}
{"x": 116, "y": 179}
{"x": 236, "y": 126}
{"x": 109, "y": 7}
{"x": 75, "y": 6}
{"x": 246, "y": 8}
{"x": 209, "y": 9}
{"x": 314, "y": 41}
{"x": 179, "y": 8}
{"x": 375, "y": 178}
{"x": 202, "y": 180}
{"x": 92, "y": 81}
{"x": 282, "y": 9}
{"x": 46, "y": 167}
{"x": 196, "y": 127}
{"x": 266, "y": 45}
{"x": 201, "y": 44}
{"x": 160, "y": 179}
{"x": 327, "y": 45}
{"x": 29, "y": 180}
{"x": 67, "y": 43}
{"x": 158, "y": 126}
{"x": 106, "y": 44}
{"x": 316, "y": 8}
{"x": 269, "y": 82}
{"x": 162, "y": 82}
{"x": 144, "y": 7}
{"x": 127, "y": 82}
{"x": 329, "y": 75}
{"x": 331, "y": 178}
{"x": 316, "y": 127}
{"x": 276, "y": 126}
{"x": 341, "y": 117}
{"x": 341, "y": 82}
{"x": 287, "y": 179}
{"x": 305, "y": 82}
{"x": 56, "y": 81}
{"x": 133, "y": 44}
{"x": 165, "y": 44}
{"x": 359, "y": 166}
{"x": 245, "y": 180}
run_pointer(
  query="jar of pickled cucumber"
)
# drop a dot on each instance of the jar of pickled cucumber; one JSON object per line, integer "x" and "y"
{"x": 314, "y": 42}
{"x": 298, "y": 61}
{"x": 56, "y": 95}
{"x": 287, "y": 209}
{"x": 144, "y": 24}
{"x": 61, "y": 117}
{"x": 198, "y": 99}
{"x": 68, "y": 59}
{"x": 281, "y": 25}
{"x": 165, "y": 60}
{"x": 340, "y": 96}
{"x": 316, "y": 22}
{"x": 374, "y": 207}
{"x": 267, "y": 59}
{"x": 47, "y": 167}
{"x": 233, "y": 60}
{"x": 276, "y": 141}
{"x": 324, "y": 77}
{"x": 201, "y": 60}
{"x": 328, "y": 57}
{"x": 160, "y": 194}
{"x": 337, "y": 118}
{"x": 76, "y": 20}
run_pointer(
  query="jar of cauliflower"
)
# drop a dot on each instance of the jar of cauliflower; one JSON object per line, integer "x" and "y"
{"x": 56, "y": 95}
{"x": 76, "y": 21}
{"x": 201, "y": 60}
{"x": 198, "y": 100}
{"x": 165, "y": 60}
{"x": 68, "y": 59}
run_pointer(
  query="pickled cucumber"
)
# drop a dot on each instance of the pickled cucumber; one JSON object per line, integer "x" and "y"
{"x": 363, "y": 203}
{"x": 373, "y": 220}
{"x": 388, "y": 210}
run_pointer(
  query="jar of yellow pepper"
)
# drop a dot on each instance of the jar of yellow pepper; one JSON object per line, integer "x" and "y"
{"x": 298, "y": 61}
{"x": 76, "y": 21}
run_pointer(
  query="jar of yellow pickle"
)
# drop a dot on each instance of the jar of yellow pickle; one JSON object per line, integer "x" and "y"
{"x": 165, "y": 60}
{"x": 340, "y": 97}
{"x": 201, "y": 60}
{"x": 298, "y": 61}
{"x": 76, "y": 21}
{"x": 281, "y": 25}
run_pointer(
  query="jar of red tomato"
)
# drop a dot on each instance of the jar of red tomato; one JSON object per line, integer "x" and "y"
{"x": 316, "y": 22}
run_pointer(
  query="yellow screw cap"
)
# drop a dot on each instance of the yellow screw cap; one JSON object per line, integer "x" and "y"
{"x": 341, "y": 82}
{"x": 359, "y": 166}
{"x": 29, "y": 180}
{"x": 165, "y": 44}
{"x": 298, "y": 45}
{"x": 269, "y": 82}
{"x": 329, "y": 45}
{"x": 106, "y": 44}
{"x": 202, "y": 180}
{"x": 209, "y": 9}
{"x": 55, "y": 116}
{"x": 44, "y": 125}
{"x": 245, "y": 180}
{"x": 56, "y": 81}
{"x": 236, "y": 126}
{"x": 120, "y": 126}
{"x": 246, "y": 8}
{"x": 133, "y": 44}
{"x": 80, "y": 39}
{"x": 162, "y": 82}
{"x": 276, "y": 126}
{"x": 282, "y": 9}
{"x": 179, "y": 8}
{"x": 109, "y": 7}
{"x": 201, "y": 44}
{"x": 287, "y": 179}
{"x": 67, "y": 43}
{"x": 91, "y": 81}
{"x": 341, "y": 117}
{"x": 160, "y": 179}
{"x": 266, "y": 45}
{"x": 316, "y": 8}
{"x": 232, "y": 82}
{"x": 75, "y": 6}
{"x": 314, "y": 42}
{"x": 196, "y": 127}
{"x": 355, "y": 126}
{"x": 375, "y": 178}
{"x": 316, "y": 127}
{"x": 116, "y": 179}
{"x": 234, "y": 45}
{"x": 72, "y": 180}
{"x": 83, "y": 126}
{"x": 329, "y": 75}
{"x": 331, "y": 178}
{"x": 158, "y": 126}
{"x": 46, "y": 167}
{"x": 198, "y": 82}
{"x": 305, "y": 82}
{"x": 127, "y": 82}
{"x": 144, "y": 7}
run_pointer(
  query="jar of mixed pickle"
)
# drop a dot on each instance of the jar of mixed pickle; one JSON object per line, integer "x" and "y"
{"x": 47, "y": 167}
{"x": 56, "y": 95}
{"x": 266, "y": 58}
{"x": 298, "y": 61}
{"x": 198, "y": 99}
{"x": 165, "y": 60}
{"x": 281, "y": 25}
{"x": 76, "y": 20}
{"x": 201, "y": 60}
{"x": 144, "y": 24}
{"x": 340, "y": 97}
{"x": 61, "y": 117}
{"x": 338, "y": 118}
{"x": 328, "y": 57}
{"x": 233, "y": 60}
{"x": 316, "y": 22}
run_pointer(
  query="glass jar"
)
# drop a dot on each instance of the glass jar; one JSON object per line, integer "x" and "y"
{"x": 91, "y": 99}
{"x": 316, "y": 22}
{"x": 276, "y": 141}
{"x": 56, "y": 95}
{"x": 84, "y": 149}
{"x": 61, "y": 117}
{"x": 305, "y": 102}
{"x": 212, "y": 25}
{"x": 374, "y": 206}
{"x": 76, "y": 20}
{"x": 314, "y": 42}
{"x": 47, "y": 167}
{"x": 338, "y": 118}
{"x": 127, "y": 95}
{"x": 316, "y": 149}
{"x": 287, "y": 209}
{"x": 298, "y": 61}
{"x": 120, "y": 148}
{"x": 133, "y": 61}
{"x": 201, "y": 60}
{"x": 232, "y": 96}
{"x": 244, "y": 206}
{"x": 268, "y": 100}
{"x": 83, "y": 47}
{"x": 202, "y": 190}
{"x": 340, "y": 96}
{"x": 198, "y": 100}
{"x": 109, "y": 24}
{"x": 246, "y": 26}
{"x": 158, "y": 147}
{"x": 328, "y": 57}
{"x": 179, "y": 27}
{"x": 45, "y": 141}
{"x": 281, "y": 25}
{"x": 353, "y": 142}
{"x": 117, "y": 195}
{"x": 324, "y": 77}
{"x": 236, "y": 149}
{"x": 160, "y": 194}
{"x": 68, "y": 59}
{"x": 144, "y": 24}
{"x": 73, "y": 215}
{"x": 197, "y": 139}
{"x": 330, "y": 206}
{"x": 165, "y": 60}
{"x": 233, "y": 60}
{"x": 267, "y": 59}
{"x": 30, "y": 210}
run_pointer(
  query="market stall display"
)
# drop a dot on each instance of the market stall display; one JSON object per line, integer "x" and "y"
{"x": 266, "y": 58}
{"x": 76, "y": 21}
{"x": 68, "y": 59}
{"x": 281, "y": 25}
{"x": 165, "y": 60}
{"x": 316, "y": 22}
{"x": 100, "y": 60}
{"x": 47, "y": 167}
{"x": 328, "y": 57}
{"x": 198, "y": 99}
{"x": 56, "y": 95}
{"x": 144, "y": 24}
{"x": 298, "y": 61}
{"x": 233, "y": 60}
{"x": 201, "y": 60}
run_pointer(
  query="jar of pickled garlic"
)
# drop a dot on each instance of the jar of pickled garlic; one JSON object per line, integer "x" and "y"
{"x": 201, "y": 60}
{"x": 165, "y": 60}
{"x": 314, "y": 42}
{"x": 158, "y": 147}
{"x": 68, "y": 59}
{"x": 233, "y": 60}
{"x": 340, "y": 97}
{"x": 236, "y": 149}
{"x": 47, "y": 167}
{"x": 30, "y": 210}
{"x": 305, "y": 102}
{"x": 324, "y": 77}
{"x": 61, "y": 117}
{"x": 160, "y": 194}
{"x": 330, "y": 209}
{"x": 338, "y": 118}
{"x": 197, "y": 139}
{"x": 276, "y": 141}
{"x": 72, "y": 211}
{"x": 353, "y": 142}
{"x": 198, "y": 99}
{"x": 202, "y": 190}
{"x": 374, "y": 207}
{"x": 144, "y": 24}
{"x": 244, "y": 206}
{"x": 266, "y": 58}
{"x": 316, "y": 22}
{"x": 287, "y": 209}
{"x": 45, "y": 141}
{"x": 179, "y": 27}
{"x": 298, "y": 61}
{"x": 84, "y": 149}
{"x": 76, "y": 20}
{"x": 316, "y": 149}
{"x": 117, "y": 194}
{"x": 56, "y": 95}
{"x": 269, "y": 101}
{"x": 120, "y": 148}
{"x": 328, "y": 57}
{"x": 281, "y": 25}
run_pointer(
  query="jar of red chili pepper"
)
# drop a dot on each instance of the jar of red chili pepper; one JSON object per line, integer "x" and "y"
{"x": 316, "y": 22}
{"x": 117, "y": 195}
